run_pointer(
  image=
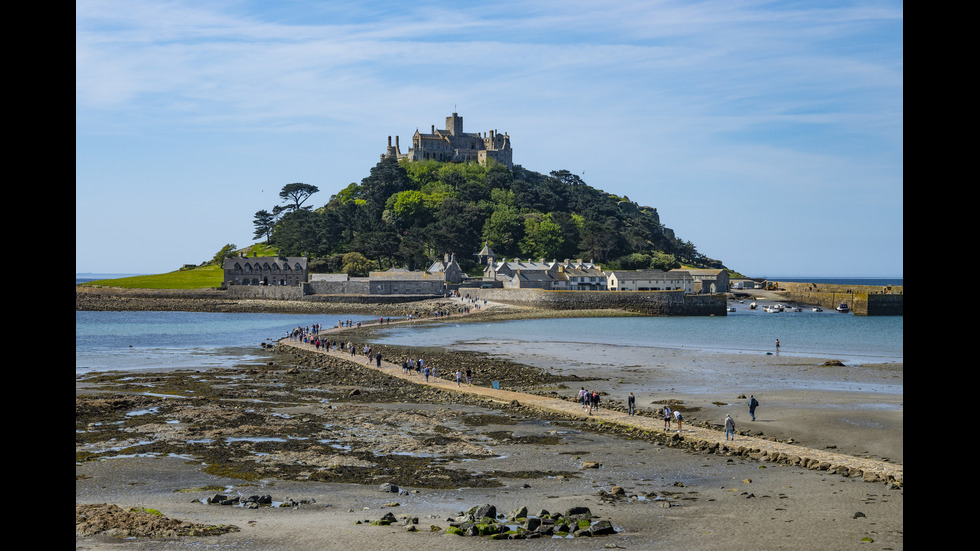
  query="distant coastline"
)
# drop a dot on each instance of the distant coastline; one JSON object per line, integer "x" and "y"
{"x": 843, "y": 280}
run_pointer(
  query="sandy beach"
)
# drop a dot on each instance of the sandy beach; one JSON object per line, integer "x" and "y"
{"x": 345, "y": 432}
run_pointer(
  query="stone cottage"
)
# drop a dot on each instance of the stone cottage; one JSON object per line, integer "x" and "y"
{"x": 265, "y": 270}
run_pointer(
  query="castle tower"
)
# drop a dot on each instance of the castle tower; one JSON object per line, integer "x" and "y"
{"x": 454, "y": 125}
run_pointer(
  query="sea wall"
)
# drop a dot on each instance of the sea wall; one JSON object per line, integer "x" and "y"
{"x": 267, "y": 292}
{"x": 349, "y": 287}
{"x": 864, "y": 300}
{"x": 654, "y": 303}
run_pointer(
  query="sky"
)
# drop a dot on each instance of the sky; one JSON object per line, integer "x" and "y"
{"x": 767, "y": 133}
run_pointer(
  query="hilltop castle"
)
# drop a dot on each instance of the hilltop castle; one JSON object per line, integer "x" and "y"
{"x": 453, "y": 145}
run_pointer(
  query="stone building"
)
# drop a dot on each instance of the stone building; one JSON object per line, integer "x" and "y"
{"x": 448, "y": 269}
{"x": 403, "y": 282}
{"x": 651, "y": 280}
{"x": 451, "y": 144}
{"x": 265, "y": 270}
{"x": 709, "y": 280}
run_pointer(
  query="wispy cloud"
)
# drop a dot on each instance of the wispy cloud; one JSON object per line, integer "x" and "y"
{"x": 665, "y": 89}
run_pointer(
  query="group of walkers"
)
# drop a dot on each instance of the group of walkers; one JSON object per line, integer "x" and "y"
{"x": 589, "y": 400}
{"x": 423, "y": 371}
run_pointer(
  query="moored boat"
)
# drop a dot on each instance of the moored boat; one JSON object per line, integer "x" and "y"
{"x": 843, "y": 308}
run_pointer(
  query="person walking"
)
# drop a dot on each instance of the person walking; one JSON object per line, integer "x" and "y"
{"x": 582, "y": 396}
{"x": 667, "y": 415}
{"x": 753, "y": 403}
{"x": 631, "y": 404}
{"x": 459, "y": 377}
{"x": 729, "y": 428}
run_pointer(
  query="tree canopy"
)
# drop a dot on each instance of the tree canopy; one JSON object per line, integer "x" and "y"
{"x": 410, "y": 214}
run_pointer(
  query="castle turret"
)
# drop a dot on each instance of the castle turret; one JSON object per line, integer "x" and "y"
{"x": 454, "y": 124}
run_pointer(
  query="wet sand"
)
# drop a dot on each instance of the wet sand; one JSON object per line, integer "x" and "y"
{"x": 716, "y": 501}
{"x": 858, "y": 410}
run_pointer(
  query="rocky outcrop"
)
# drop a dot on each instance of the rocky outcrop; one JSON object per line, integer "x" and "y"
{"x": 485, "y": 521}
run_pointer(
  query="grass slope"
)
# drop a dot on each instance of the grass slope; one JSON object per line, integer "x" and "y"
{"x": 197, "y": 278}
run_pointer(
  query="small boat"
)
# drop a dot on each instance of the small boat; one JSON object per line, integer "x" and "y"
{"x": 753, "y": 306}
{"x": 843, "y": 308}
{"x": 795, "y": 309}
{"x": 731, "y": 308}
{"x": 817, "y": 309}
{"x": 774, "y": 308}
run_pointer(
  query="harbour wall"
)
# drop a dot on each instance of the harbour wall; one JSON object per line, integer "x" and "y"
{"x": 864, "y": 300}
{"x": 654, "y": 303}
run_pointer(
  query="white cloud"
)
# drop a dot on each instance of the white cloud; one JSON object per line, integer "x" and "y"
{"x": 690, "y": 95}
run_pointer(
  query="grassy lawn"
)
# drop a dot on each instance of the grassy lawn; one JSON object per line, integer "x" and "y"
{"x": 197, "y": 278}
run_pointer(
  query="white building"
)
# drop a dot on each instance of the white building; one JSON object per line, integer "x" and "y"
{"x": 650, "y": 280}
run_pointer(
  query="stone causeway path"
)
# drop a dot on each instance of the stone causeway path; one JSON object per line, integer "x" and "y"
{"x": 693, "y": 437}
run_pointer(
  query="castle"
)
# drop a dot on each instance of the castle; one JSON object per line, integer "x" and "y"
{"x": 453, "y": 145}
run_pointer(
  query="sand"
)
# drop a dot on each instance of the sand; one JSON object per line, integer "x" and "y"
{"x": 715, "y": 501}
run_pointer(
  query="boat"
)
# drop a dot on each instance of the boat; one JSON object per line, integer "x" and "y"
{"x": 843, "y": 308}
{"x": 817, "y": 309}
{"x": 731, "y": 308}
{"x": 795, "y": 309}
{"x": 752, "y": 306}
{"x": 774, "y": 308}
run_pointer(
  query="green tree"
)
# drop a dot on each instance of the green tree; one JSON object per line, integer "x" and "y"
{"x": 387, "y": 178}
{"x": 219, "y": 257}
{"x": 664, "y": 261}
{"x": 264, "y": 223}
{"x": 297, "y": 193}
{"x": 301, "y": 233}
{"x": 542, "y": 237}
{"x": 356, "y": 265}
{"x": 503, "y": 230}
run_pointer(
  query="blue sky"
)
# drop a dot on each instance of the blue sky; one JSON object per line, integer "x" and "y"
{"x": 769, "y": 134}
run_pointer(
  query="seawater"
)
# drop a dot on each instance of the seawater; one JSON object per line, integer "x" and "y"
{"x": 852, "y": 339}
{"x": 155, "y": 340}
{"x": 148, "y": 340}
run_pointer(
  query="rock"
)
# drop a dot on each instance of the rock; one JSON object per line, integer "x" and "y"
{"x": 590, "y": 465}
{"x": 602, "y": 528}
{"x": 585, "y": 511}
{"x": 617, "y": 491}
{"x": 483, "y": 511}
{"x": 520, "y": 512}
{"x": 389, "y": 487}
